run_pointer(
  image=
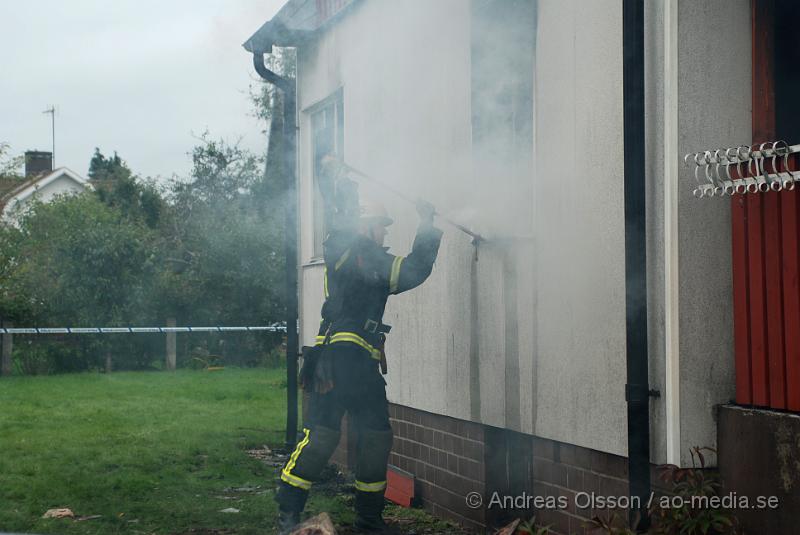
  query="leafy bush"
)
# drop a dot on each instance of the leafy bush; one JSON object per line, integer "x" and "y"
{"x": 667, "y": 519}
{"x": 530, "y": 527}
{"x": 206, "y": 251}
{"x": 686, "y": 483}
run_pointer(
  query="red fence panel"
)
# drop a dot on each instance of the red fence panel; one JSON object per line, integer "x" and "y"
{"x": 741, "y": 301}
{"x": 790, "y": 223}
{"x": 766, "y": 256}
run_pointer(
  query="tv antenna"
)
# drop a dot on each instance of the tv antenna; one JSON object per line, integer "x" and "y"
{"x": 52, "y": 111}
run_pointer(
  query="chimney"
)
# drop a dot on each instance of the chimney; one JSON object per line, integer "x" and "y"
{"x": 38, "y": 163}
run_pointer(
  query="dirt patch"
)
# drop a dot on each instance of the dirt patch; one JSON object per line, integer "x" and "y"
{"x": 340, "y": 485}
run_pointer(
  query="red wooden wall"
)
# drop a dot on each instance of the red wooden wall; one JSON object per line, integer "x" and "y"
{"x": 765, "y": 229}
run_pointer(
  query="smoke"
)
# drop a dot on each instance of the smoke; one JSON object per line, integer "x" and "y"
{"x": 506, "y": 115}
{"x": 437, "y": 102}
{"x": 446, "y": 112}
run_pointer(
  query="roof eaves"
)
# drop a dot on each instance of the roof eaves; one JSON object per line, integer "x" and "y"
{"x": 296, "y": 23}
{"x": 275, "y": 33}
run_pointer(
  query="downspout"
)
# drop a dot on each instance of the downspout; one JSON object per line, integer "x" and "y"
{"x": 289, "y": 90}
{"x": 637, "y": 390}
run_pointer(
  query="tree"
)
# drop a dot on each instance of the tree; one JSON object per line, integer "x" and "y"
{"x": 13, "y": 305}
{"x": 207, "y": 250}
{"x": 220, "y": 172}
{"x": 104, "y": 169}
{"x": 225, "y": 248}
{"x": 117, "y": 186}
{"x": 10, "y": 165}
{"x": 79, "y": 262}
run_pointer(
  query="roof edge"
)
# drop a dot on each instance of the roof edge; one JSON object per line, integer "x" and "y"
{"x": 296, "y": 23}
{"x": 27, "y": 188}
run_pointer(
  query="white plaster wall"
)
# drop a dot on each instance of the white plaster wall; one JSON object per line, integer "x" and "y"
{"x": 393, "y": 61}
{"x": 654, "y": 167}
{"x": 714, "y": 103}
{"x": 406, "y": 87}
{"x": 578, "y": 100}
{"x": 580, "y": 225}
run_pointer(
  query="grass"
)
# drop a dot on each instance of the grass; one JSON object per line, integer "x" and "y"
{"x": 151, "y": 453}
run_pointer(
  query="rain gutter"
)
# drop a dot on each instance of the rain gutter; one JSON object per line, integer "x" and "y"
{"x": 288, "y": 87}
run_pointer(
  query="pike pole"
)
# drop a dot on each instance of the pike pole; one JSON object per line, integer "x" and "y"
{"x": 476, "y": 238}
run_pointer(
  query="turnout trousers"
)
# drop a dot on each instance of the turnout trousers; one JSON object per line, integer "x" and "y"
{"x": 360, "y": 391}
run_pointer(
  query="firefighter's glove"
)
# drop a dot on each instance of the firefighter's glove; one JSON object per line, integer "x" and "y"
{"x": 426, "y": 212}
{"x": 323, "y": 374}
{"x": 310, "y": 359}
{"x": 331, "y": 166}
{"x": 329, "y": 172}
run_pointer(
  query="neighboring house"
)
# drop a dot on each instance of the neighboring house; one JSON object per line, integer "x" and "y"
{"x": 41, "y": 183}
{"x": 507, "y": 369}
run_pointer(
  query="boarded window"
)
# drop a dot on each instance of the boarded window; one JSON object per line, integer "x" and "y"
{"x": 502, "y": 52}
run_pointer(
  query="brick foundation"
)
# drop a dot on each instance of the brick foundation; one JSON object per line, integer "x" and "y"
{"x": 446, "y": 456}
{"x": 451, "y": 458}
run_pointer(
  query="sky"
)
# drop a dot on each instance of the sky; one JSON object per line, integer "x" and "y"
{"x": 140, "y": 77}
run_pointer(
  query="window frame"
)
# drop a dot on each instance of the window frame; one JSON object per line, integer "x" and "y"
{"x": 333, "y": 105}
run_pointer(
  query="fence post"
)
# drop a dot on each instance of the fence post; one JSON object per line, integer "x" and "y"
{"x": 109, "y": 364}
{"x": 171, "y": 346}
{"x": 8, "y": 346}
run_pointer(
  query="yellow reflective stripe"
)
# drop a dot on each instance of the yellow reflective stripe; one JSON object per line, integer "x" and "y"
{"x": 325, "y": 282}
{"x": 286, "y": 473}
{"x": 342, "y": 260}
{"x": 370, "y": 487}
{"x": 394, "y": 277}
{"x": 356, "y": 339}
{"x": 295, "y": 481}
{"x": 320, "y": 340}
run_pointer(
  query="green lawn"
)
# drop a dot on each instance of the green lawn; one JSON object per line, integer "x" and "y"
{"x": 152, "y": 452}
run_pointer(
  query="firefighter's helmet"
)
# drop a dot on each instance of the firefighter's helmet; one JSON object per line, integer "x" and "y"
{"x": 373, "y": 211}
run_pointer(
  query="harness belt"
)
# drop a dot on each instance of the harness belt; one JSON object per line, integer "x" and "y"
{"x": 372, "y": 326}
{"x": 341, "y": 333}
{"x": 353, "y": 338}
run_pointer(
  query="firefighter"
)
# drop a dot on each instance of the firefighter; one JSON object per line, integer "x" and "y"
{"x": 343, "y": 370}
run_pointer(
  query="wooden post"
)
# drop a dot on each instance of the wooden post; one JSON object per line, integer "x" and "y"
{"x": 8, "y": 346}
{"x": 171, "y": 346}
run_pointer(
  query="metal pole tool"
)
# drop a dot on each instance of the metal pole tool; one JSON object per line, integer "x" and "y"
{"x": 476, "y": 238}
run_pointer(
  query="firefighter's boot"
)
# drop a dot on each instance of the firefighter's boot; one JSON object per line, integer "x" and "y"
{"x": 301, "y": 469}
{"x": 369, "y": 511}
{"x": 291, "y": 502}
{"x": 371, "y": 460}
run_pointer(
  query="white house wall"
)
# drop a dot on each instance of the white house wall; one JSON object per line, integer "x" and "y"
{"x": 406, "y": 91}
{"x": 714, "y": 110}
{"x": 654, "y": 162}
{"x": 548, "y": 359}
{"x": 63, "y": 185}
{"x": 580, "y": 225}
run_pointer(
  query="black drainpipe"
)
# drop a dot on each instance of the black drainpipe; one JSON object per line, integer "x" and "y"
{"x": 288, "y": 88}
{"x": 637, "y": 390}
